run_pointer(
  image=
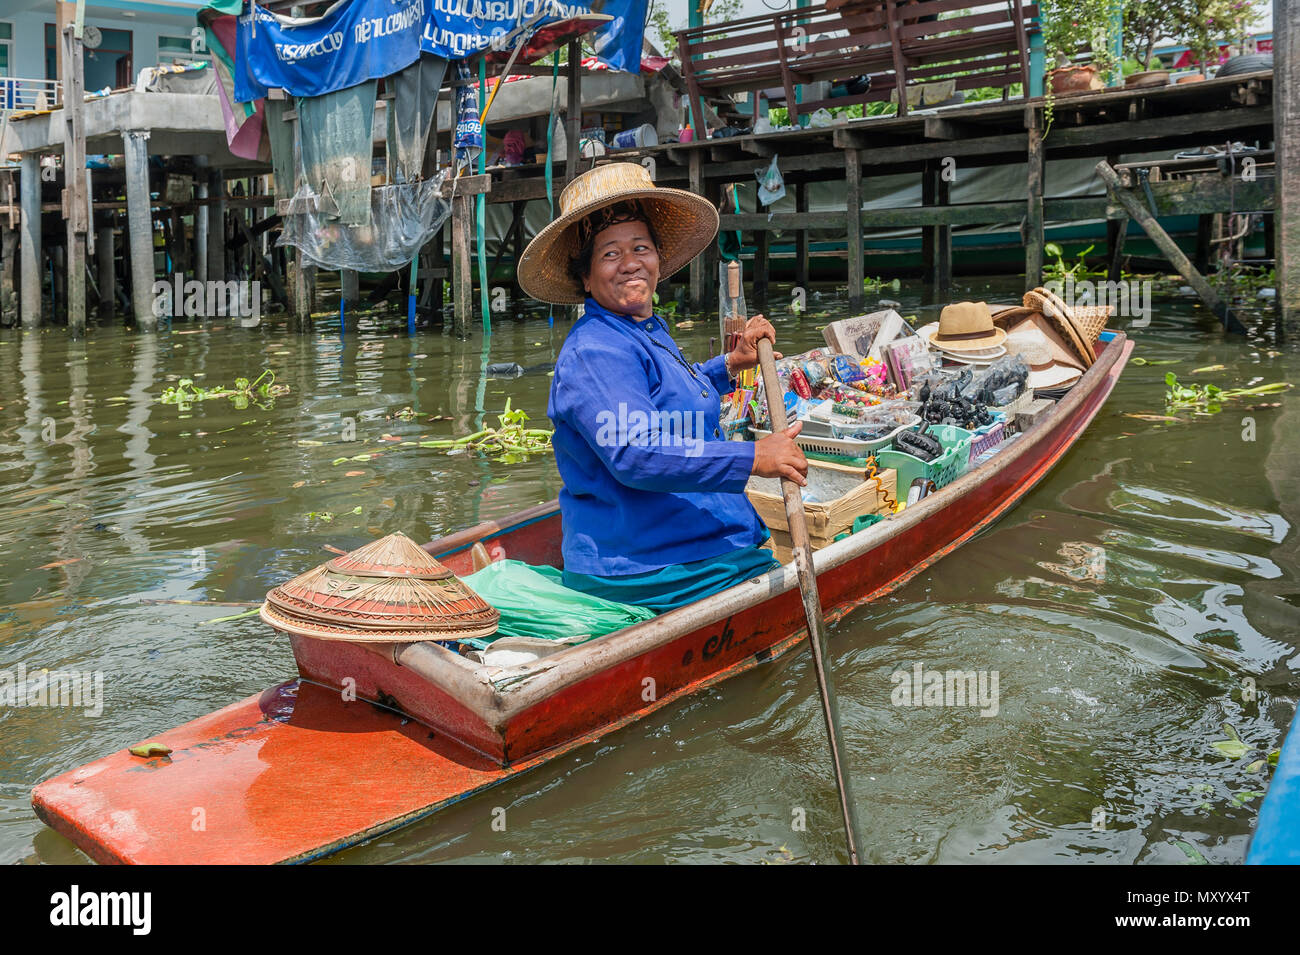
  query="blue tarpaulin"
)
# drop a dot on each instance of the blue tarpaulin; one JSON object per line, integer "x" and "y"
{"x": 355, "y": 41}
{"x": 359, "y": 40}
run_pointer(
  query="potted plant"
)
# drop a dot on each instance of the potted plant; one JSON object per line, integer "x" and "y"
{"x": 1145, "y": 22}
{"x": 1070, "y": 27}
{"x": 1212, "y": 23}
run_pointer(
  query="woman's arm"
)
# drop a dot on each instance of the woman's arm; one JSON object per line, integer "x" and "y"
{"x": 602, "y": 391}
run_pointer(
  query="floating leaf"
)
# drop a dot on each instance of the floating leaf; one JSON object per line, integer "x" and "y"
{"x": 1246, "y": 795}
{"x": 354, "y": 474}
{"x": 150, "y": 749}
{"x": 1192, "y": 853}
{"x": 1232, "y": 748}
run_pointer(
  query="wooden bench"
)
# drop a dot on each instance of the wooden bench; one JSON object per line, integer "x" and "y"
{"x": 897, "y": 43}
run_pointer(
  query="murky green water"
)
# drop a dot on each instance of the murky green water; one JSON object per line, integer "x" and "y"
{"x": 1123, "y": 603}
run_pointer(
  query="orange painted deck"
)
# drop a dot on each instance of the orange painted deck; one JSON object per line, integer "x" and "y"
{"x": 289, "y": 775}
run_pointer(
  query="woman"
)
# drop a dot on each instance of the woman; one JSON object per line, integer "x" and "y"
{"x": 653, "y": 507}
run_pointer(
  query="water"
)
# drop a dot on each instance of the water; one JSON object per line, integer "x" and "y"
{"x": 1122, "y": 604}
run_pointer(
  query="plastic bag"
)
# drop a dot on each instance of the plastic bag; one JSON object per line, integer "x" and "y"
{"x": 533, "y": 602}
{"x": 403, "y": 218}
{"x": 771, "y": 184}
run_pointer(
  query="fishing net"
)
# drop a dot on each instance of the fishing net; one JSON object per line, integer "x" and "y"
{"x": 403, "y": 218}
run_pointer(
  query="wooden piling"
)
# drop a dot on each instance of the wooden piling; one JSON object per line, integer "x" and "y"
{"x": 139, "y": 216}
{"x": 76, "y": 201}
{"x": 8, "y": 252}
{"x": 695, "y": 174}
{"x": 1034, "y": 239}
{"x": 350, "y": 287}
{"x": 762, "y": 248}
{"x": 936, "y": 240}
{"x": 1286, "y": 138}
{"x": 29, "y": 185}
{"x": 573, "y": 108}
{"x": 801, "y": 238}
{"x": 462, "y": 283}
{"x": 853, "y": 184}
{"x": 1140, "y": 214}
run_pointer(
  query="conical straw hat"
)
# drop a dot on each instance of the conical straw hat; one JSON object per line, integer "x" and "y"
{"x": 389, "y": 591}
{"x": 683, "y": 222}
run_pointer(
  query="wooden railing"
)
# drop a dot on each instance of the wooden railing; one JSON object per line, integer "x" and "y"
{"x": 896, "y": 45}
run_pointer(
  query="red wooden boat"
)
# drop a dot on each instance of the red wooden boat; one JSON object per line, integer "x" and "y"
{"x": 300, "y": 771}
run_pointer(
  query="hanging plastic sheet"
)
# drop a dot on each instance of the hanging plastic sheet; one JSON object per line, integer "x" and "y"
{"x": 410, "y": 113}
{"x": 404, "y": 217}
{"x": 336, "y": 135}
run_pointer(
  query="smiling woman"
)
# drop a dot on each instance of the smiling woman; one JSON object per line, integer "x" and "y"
{"x": 653, "y": 505}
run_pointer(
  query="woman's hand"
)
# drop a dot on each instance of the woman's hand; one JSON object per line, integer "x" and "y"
{"x": 745, "y": 354}
{"x": 777, "y": 456}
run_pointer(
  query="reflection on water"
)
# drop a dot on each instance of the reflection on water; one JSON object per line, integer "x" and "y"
{"x": 1128, "y": 605}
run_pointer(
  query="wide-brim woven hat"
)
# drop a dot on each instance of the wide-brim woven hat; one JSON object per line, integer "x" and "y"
{"x": 683, "y": 222}
{"x": 966, "y": 327}
{"x": 1081, "y": 325}
{"x": 388, "y": 591}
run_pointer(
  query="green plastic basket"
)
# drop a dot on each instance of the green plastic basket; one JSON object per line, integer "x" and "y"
{"x": 943, "y": 470}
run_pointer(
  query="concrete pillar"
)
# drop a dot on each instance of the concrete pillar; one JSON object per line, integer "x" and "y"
{"x": 216, "y": 240}
{"x": 106, "y": 272}
{"x": 1286, "y": 138}
{"x": 29, "y": 184}
{"x": 139, "y": 218}
{"x": 201, "y": 212}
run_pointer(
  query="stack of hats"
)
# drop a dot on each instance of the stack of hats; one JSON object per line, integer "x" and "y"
{"x": 965, "y": 332}
{"x": 1056, "y": 341}
{"x": 389, "y": 591}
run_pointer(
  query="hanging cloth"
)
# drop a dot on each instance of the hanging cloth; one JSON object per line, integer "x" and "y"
{"x": 410, "y": 114}
{"x": 337, "y": 139}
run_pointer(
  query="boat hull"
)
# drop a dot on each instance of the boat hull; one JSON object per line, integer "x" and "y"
{"x": 310, "y": 767}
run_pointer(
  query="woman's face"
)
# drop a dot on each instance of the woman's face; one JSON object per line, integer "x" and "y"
{"x": 624, "y": 269}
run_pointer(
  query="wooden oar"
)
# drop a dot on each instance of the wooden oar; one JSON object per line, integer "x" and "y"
{"x": 812, "y": 604}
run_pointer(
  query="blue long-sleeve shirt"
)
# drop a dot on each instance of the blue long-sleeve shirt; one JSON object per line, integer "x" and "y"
{"x": 649, "y": 480}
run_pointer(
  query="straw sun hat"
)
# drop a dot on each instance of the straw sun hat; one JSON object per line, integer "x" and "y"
{"x": 683, "y": 222}
{"x": 966, "y": 327}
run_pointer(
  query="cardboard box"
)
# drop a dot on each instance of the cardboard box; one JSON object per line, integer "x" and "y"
{"x": 1030, "y": 416}
{"x": 843, "y": 495}
{"x": 863, "y": 335}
